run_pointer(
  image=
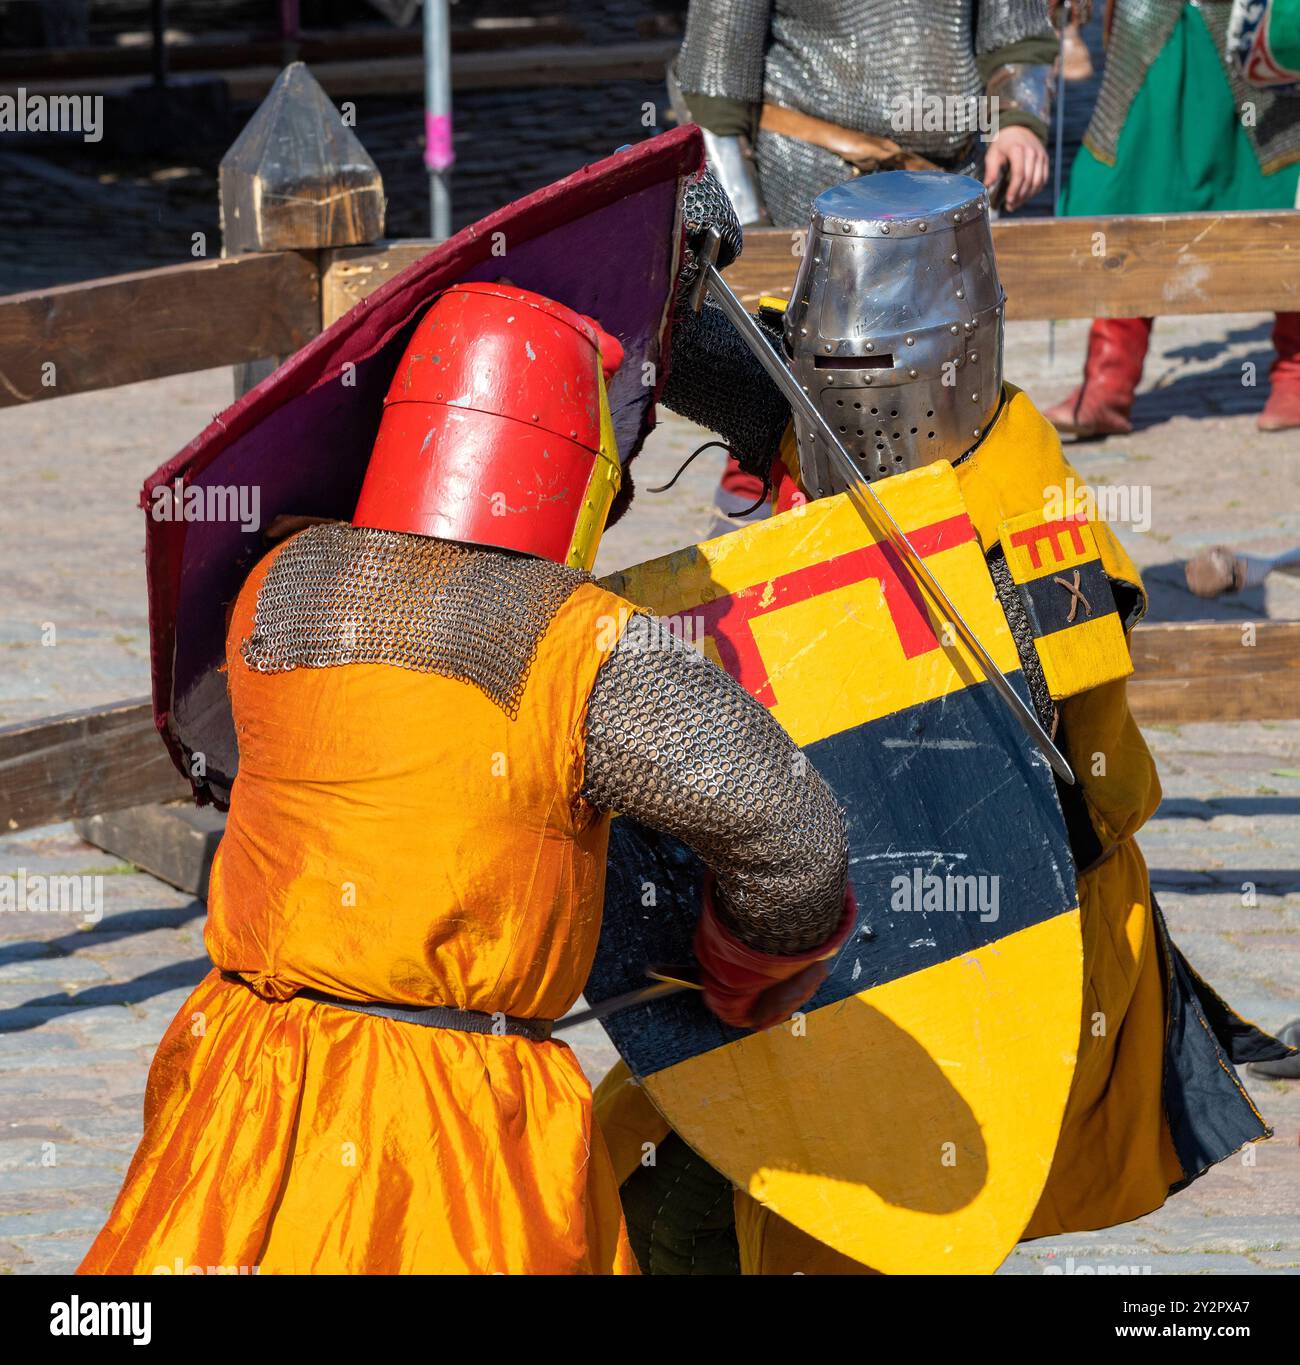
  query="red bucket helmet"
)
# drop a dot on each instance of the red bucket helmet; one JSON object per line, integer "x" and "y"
{"x": 496, "y": 428}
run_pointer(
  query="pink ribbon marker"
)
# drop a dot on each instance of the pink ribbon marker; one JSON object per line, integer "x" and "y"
{"x": 438, "y": 153}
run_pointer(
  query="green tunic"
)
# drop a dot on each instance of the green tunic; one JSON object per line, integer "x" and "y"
{"x": 1183, "y": 148}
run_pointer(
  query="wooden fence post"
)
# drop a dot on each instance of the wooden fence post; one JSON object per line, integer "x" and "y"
{"x": 296, "y": 179}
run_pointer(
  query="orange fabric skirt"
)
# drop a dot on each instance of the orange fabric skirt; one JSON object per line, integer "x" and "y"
{"x": 297, "y": 1137}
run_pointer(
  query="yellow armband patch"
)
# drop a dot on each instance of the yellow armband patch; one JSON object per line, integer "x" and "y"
{"x": 1077, "y": 631}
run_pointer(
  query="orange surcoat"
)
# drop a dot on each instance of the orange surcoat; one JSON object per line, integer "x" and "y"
{"x": 395, "y": 836}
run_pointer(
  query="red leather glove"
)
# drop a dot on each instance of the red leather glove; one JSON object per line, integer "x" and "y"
{"x": 751, "y": 989}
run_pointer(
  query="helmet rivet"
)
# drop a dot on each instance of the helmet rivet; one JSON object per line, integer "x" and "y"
{"x": 961, "y": 293}
{"x": 956, "y": 218}
{"x": 922, "y": 226}
{"x": 803, "y": 331}
{"x": 911, "y": 341}
{"x": 871, "y": 345}
{"x": 884, "y": 227}
{"x": 866, "y": 379}
{"x": 911, "y": 374}
{"x": 953, "y": 329}
{"x": 828, "y": 347}
{"x": 536, "y": 417}
{"x": 975, "y": 431}
{"x": 953, "y": 258}
{"x": 974, "y": 355}
{"x": 974, "y": 398}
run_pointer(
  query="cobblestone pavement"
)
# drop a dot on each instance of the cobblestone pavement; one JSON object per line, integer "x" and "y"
{"x": 82, "y": 1005}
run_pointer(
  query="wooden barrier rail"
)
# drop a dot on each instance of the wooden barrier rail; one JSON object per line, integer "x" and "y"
{"x": 1050, "y": 267}
{"x": 125, "y": 328}
{"x": 224, "y": 312}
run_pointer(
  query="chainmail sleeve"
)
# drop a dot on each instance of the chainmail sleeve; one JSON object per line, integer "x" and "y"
{"x": 713, "y": 377}
{"x": 1003, "y": 23}
{"x": 723, "y": 50}
{"x": 718, "y": 382}
{"x": 676, "y": 743}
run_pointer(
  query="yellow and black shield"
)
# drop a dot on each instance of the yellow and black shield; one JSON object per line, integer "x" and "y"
{"x": 907, "y": 1116}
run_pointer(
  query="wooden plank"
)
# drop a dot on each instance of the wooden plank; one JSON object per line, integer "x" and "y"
{"x": 1216, "y": 671}
{"x": 350, "y": 273}
{"x": 29, "y": 66}
{"x": 1183, "y": 263}
{"x": 125, "y": 328}
{"x": 83, "y": 763}
{"x": 495, "y": 68}
{"x": 175, "y": 843}
{"x": 1151, "y": 266}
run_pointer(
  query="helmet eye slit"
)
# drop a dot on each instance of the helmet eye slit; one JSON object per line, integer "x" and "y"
{"x": 853, "y": 362}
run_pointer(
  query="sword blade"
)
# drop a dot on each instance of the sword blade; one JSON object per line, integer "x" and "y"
{"x": 619, "y": 1002}
{"x": 875, "y": 513}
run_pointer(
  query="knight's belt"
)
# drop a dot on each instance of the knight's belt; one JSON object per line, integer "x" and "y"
{"x": 432, "y": 1016}
{"x": 864, "y": 152}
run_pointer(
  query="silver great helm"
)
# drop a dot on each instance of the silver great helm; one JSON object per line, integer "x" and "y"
{"x": 895, "y": 323}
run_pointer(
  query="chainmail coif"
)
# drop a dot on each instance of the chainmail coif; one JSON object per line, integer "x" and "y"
{"x": 339, "y": 594}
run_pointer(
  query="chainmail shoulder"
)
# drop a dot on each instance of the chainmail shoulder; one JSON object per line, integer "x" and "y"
{"x": 339, "y": 594}
{"x": 722, "y": 53}
{"x": 676, "y": 743}
{"x": 1001, "y": 23}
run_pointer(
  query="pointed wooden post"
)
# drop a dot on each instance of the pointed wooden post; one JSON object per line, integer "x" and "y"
{"x": 296, "y": 179}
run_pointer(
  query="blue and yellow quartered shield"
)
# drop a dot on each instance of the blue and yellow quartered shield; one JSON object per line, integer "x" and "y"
{"x": 907, "y": 1117}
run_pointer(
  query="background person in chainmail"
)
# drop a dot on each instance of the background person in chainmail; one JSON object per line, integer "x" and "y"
{"x": 437, "y": 710}
{"x": 795, "y": 96}
{"x": 1180, "y": 128}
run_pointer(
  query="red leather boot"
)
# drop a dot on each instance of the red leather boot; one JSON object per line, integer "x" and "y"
{"x": 1282, "y": 411}
{"x": 1117, "y": 348}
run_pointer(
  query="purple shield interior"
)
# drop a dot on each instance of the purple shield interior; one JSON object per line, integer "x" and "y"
{"x": 604, "y": 241}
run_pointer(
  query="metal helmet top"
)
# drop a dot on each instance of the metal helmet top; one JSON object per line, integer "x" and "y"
{"x": 895, "y": 323}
